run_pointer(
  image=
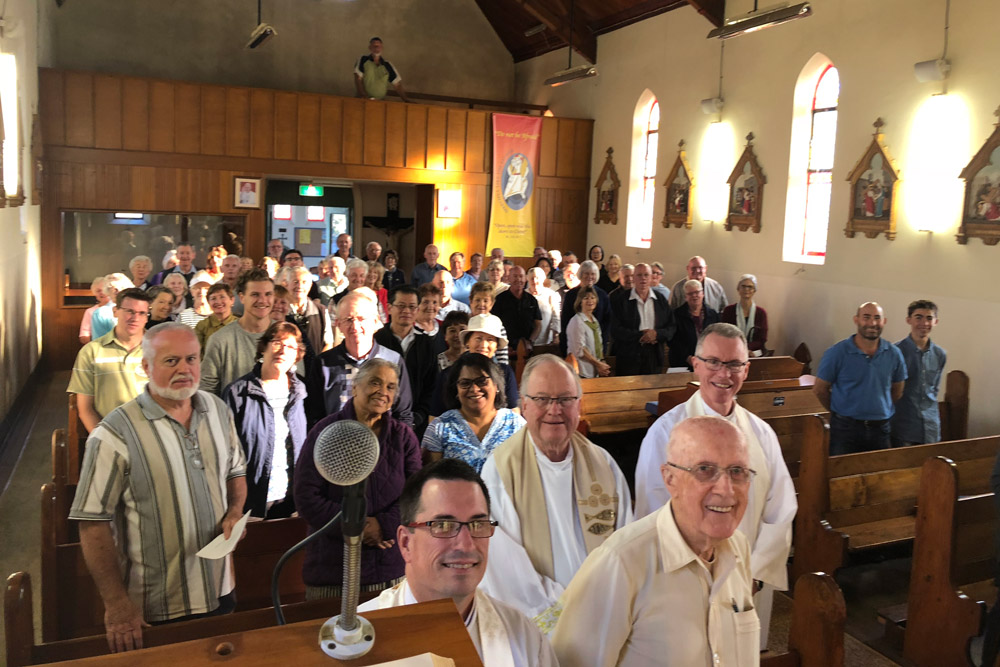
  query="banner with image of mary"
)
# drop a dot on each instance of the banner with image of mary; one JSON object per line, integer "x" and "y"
{"x": 512, "y": 210}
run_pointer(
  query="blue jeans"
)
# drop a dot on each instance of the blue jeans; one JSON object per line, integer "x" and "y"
{"x": 850, "y": 436}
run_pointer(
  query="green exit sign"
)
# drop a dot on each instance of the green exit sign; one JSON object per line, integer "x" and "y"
{"x": 310, "y": 190}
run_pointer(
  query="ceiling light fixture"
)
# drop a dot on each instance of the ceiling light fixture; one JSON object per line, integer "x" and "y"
{"x": 758, "y": 20}
{"x": 571, "y": 73}
{"x": 261, "y": 33}
{"x": 531, "y": 32}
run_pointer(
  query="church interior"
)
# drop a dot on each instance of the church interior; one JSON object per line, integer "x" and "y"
{"x": 156, "y": 108}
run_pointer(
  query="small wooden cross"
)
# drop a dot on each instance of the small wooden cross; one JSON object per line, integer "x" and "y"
{"x": 997, "y": 114}
{"x": 680, "y": 144}
{"x": 750, "y": 138}
{"x": 878, "y": 125}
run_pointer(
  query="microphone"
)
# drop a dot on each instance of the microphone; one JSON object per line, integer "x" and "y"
{"x": 345, "y": 454}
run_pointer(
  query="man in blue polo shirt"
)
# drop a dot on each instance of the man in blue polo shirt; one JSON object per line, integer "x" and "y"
{"x": 917, "y": 419}
{"x": 858, "y": 381}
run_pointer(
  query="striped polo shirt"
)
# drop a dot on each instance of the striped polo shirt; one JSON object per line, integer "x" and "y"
{"x": 163, "y": 487}
{"x": 109, "y": 372}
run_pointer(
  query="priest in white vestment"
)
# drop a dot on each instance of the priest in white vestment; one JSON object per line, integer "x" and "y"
{"x": 673, "y": 588}
{"x": 444, "y": 537}
{"x": 556, "y": 495}
{"x": 771, "y": 506}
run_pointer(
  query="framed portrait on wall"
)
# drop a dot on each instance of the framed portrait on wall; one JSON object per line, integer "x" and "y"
{"x": 981, "y": 208}
{"x": 746, "y": 191}
{"x": 680, "y": 188}
{"x": 874, "y": 184}
{"x": 607, "y": 192}
{"x": 246, "y": 192}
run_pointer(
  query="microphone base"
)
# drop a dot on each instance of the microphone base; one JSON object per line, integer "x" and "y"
{"x": 343, "y": 644}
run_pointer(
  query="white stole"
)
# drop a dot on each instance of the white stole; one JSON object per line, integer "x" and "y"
{"x": 494, "y": 644}
{"x": 746, "y": 323}
{"x": 757, "y": 498}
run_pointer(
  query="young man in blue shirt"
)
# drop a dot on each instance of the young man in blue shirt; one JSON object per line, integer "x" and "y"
{"x": 917, "y": 419}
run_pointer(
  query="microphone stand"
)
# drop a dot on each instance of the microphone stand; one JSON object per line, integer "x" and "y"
{"x": 275, "y": 593}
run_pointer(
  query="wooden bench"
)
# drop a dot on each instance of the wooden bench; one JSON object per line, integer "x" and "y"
{"x": 816, "y": 635}
{"x": 954, "y": 562}
{"x": 793, "y": 432}
{"x": 774, "y": 368}
{"x": 76, "y": 439}
{"x": 860, "y": 502}
{"x": 72, "y": 607}
{"x": 618, "y": 404}
{"x": 20, "y": 632}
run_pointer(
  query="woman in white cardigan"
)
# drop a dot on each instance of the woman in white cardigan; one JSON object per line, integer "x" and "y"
{"x": 583, "y": 336}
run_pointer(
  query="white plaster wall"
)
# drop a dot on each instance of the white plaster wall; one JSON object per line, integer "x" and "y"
{"x": 439, "y": 46}
{"x": 20, "y": 285}
{"x": 874, "y": 46}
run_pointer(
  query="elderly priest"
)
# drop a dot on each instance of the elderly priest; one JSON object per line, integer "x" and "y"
{"x": 556, "y": 495}
{"x": 673, "y": 588}
{"x": 444, "y": 537}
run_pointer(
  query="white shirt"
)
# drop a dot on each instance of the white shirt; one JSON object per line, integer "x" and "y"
{"x": 647, "y": 314}
{"x": 645, "y": 598}
{"x": 452, "y": 305}
{"x": 550, "y": 305}
{"x": 406, "y": 341}
{"x": 528, "y": 646}
{"x": 510, "y": 575}
{"x": 770, "y": 541}
{"x": 579, "y": 337}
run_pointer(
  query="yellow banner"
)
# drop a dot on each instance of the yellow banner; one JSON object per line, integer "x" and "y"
{"x": 512, "y": 205}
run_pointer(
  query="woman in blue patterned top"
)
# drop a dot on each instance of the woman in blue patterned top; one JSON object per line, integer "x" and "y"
{"x": 477, "y": 421}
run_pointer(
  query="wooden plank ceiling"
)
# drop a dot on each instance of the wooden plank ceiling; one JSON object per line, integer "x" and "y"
{"x": 511, "y": 19}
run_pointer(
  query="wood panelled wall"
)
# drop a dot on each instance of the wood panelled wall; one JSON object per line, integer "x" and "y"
{"x": 125, "y": 143}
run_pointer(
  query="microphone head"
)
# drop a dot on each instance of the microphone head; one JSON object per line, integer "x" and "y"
{"x": 346, "y": 452}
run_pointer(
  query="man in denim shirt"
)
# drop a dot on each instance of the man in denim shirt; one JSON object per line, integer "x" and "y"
{"x": 917, "y": 419}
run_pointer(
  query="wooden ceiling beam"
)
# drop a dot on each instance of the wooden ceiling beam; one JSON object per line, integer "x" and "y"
{"x": 584, "y": 41}
{"x": 713, "y": 10}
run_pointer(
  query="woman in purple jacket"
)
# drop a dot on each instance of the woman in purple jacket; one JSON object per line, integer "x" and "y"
{"x": 317, "y": 500}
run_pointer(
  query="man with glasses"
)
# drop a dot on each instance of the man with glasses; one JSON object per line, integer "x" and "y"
{"x": 417, "y": 351}
{"x": 108, "y": 370}
{"x": 330, "y": 377}
{"x": 557, "y": 495}
{"x": 673, "y": 588}
{"x": 697, "y": 269}
{"x": 168, "y": 469}
{"x": 721, "y": 365}
{"x": 641, "y": 322}
{"x": 444, "y": 538}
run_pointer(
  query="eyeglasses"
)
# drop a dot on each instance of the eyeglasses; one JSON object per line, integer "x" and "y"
{"x": 129, "y": 313}
{"x": 278, "y": 346}
{"x": 544, "y": 402}
{"x": 714, "y": 364}
{"x": 746, "y": 287}
{"x": 707, "y": 473}
{"x": 404, "y": 307}
{"x": 481, "y": 382}
{"x": 447, "y": 528}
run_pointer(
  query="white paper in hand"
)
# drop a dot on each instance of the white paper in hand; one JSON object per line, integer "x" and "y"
{"x": 220, "y": 547}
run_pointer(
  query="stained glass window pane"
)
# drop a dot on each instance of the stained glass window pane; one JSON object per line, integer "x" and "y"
{"x": 817, "y": 214}
{"x": 828, "y": 89}
{"x": 652, "y": 142}
{"x": 824, "y": 138}
{"x": 654, "y": 117}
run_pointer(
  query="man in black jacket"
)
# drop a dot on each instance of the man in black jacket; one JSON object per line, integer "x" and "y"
{"x": 641, "y": 321}
{"x": 417, "y": 350}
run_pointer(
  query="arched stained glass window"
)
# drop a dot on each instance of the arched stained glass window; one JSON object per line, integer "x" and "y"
{"x": 642, "y": 176}
{"x": 819, "y": 179}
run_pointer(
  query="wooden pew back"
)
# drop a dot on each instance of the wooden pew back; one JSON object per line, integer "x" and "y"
{"x": 868, "y": 500}
{"x": 954, "y": 561}
{"x": 76, "y": 439}
{"x": 615, "y": 404}
{"x": 792, "y": 432}
{"x": 774, "y": 368}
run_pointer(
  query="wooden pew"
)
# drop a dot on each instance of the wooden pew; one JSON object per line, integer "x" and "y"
{"x": 618, "y": 404}
{"x": 774, "y": 368}
{"x": 861, "y": 502}
{"x": 954, "y": 562}
{"x": 764, "y": 398}
{"x": 816, "y": 636}
{"x": 793, "y": 431}
{"x": 803, "y": 354}
{"x": 954, "y": 408}
{"x": 76, "y": 440}
{"x": 19, "y": 625}
{"x": 72, "y": 607}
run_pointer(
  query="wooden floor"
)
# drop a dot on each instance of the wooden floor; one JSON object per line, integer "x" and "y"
{"x": 867, "y": 587}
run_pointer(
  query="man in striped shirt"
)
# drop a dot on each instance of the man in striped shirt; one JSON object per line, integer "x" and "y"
{"x": 162, "y": 476}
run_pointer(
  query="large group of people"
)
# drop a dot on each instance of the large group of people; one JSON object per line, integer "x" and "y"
{"x": 204, "y": 391}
